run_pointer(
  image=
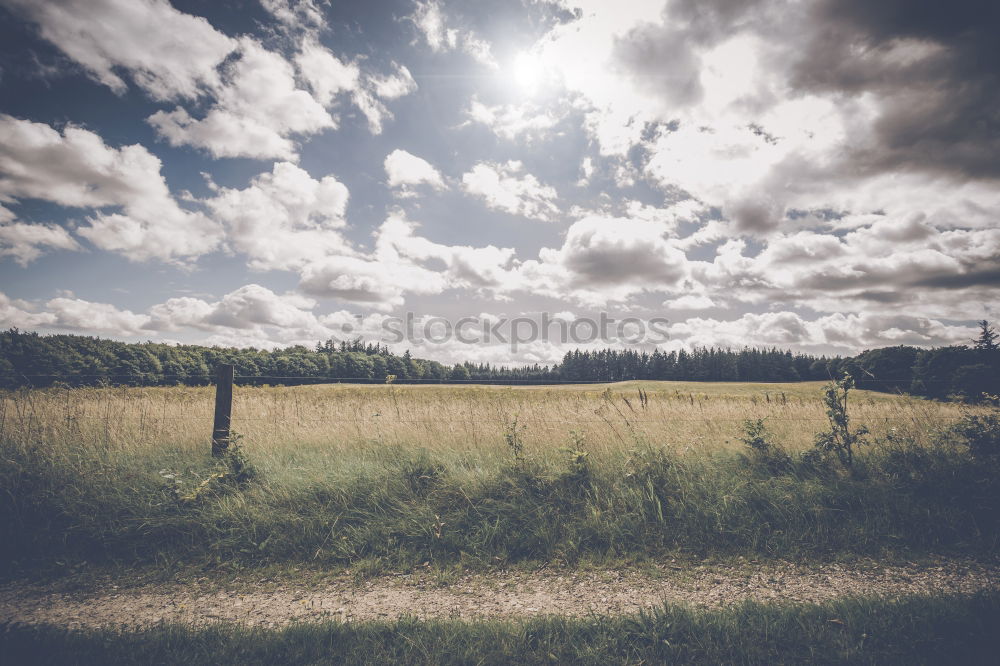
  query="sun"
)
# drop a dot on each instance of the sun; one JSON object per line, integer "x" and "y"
{"x": 526, "y": 70}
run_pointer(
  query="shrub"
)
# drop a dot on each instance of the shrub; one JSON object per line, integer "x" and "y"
{"x": 764, "y": 452}
{"x": 981, "y": 433}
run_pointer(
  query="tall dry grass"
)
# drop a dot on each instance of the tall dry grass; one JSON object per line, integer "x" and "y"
{"x": 472, "y": 421}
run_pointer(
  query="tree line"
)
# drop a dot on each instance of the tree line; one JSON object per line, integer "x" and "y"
{"x": 31, "y": 359}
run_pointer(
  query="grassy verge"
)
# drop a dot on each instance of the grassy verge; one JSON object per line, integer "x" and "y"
{"x": 382, "y": 506}
{"x": 944, "y": 629}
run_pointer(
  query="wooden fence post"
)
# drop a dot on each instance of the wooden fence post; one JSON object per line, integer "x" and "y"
{"x": 223, "y": 408}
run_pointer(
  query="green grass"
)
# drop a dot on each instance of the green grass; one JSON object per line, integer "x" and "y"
{"x": 925, "y": 630}
{"x": 388, "y": 507}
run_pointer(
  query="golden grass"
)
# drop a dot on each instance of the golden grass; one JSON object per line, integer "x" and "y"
{"x": 465, "y": 420}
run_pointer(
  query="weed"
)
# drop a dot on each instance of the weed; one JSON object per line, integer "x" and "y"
{"x": 840, "y": 439}
{"x": 512, "y": 438}
{"x": 756, "y": 436}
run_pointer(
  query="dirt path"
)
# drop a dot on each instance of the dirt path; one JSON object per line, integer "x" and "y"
{"x": 500, "y": 594}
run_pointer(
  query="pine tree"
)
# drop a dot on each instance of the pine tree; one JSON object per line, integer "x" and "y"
{"x": 987, "y": 340}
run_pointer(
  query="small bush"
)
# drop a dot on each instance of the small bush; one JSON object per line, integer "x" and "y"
{"x": 764, "y": 452}
{"x": 981, "y": 433}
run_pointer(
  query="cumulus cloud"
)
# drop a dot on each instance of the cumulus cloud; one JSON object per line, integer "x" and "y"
{"x": 287, "y": 220}
{"x": 254, "y": 305}
{"x": 603, "y": 251}
{"x": 606, "y": 259}
{"x": 248, "y": 315}
{"x": 257, "y": 107}
{"x": 74, "y": 314}
{"x": 508, "y": 188}
{"x": 326, "y": 74}
{"x": 75, "y": 168}
{"x": 256, "y": 112}
{"x": 17, "y": 313}
{"x": 283, "y": 219}
{"x": 898, "y": 265}
{"x": 404, "y": 263}
{"x": 169, "y": 54}
{"x": 330, "y": 77}
{"x": 69, "y": 314}
{"x": 405, "y": 169}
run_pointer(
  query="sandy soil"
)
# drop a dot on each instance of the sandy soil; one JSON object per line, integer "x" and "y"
{"x": 497, "y": 594}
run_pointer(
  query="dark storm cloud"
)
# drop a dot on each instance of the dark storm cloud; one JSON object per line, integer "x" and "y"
{"x": 976, "y": 278}
{"x": 935, "y": 67}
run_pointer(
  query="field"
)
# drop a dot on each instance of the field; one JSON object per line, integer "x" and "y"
{"x": 369, "y": 481}
{"x": 468, "y": 422}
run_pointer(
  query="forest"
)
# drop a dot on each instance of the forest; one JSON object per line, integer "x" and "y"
{"x": 29, "y": 359}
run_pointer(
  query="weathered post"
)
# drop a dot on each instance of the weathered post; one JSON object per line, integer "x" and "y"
{"x": 223, "y": 408}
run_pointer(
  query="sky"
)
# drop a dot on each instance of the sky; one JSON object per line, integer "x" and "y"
{"x": 819, "y": 175}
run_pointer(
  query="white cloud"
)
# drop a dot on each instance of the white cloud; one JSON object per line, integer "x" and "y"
{"x": 257, "y": 110}
{"x": 502, "y": 186}
{"x": 77, "y": 169}
{"x": 586, "y": 172}
{"x": 284, "y": 219}
{"x": 75, "y": 314}
{"x": 249, "y": 315}
{"x": 16, "y": 313}
{"x": 890, "y": 265}
{"x": 27, "y": 242}
{"x": 394, "y": 86}
{"x": 326, "y": 74}
{"x": 846, "y": 333}
{"x": 254, "y": 305}
{"x": 512, "y": 120}
{"x": 367, "y": 281}
{"x": 375, "y": 88}
{"x": 250, "y": 311}
{"x": 169, "y": 54}
{"x": 403, "y": 263}
{"x": 295, "y": 13}
{"x": 405, "y": 169}
{"x": 434, "y": 27}
{"x": 606, "y": 259}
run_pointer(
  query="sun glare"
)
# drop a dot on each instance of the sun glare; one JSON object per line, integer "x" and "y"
{"x": 527, "y": 72}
